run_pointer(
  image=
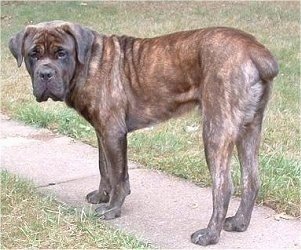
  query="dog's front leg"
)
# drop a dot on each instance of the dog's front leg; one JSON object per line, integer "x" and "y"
{"x": 102, "y": 194}
{"x": 114, "y": 145}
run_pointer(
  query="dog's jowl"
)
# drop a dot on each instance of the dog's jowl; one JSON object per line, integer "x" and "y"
{"x": 120, "y": 84}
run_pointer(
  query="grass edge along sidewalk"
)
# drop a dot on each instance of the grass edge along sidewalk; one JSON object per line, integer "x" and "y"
{"x": 31, "y": 219}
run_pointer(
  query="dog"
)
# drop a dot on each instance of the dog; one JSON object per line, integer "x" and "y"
{"x": 120, "y": 84}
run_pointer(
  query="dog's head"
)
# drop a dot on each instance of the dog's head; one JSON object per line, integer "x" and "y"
{"x": 52, "y": 51}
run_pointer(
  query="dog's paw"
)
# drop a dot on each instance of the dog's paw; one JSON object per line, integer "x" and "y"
{"x": 106, "y": 212}
{"x": 204, "y": 237}
{"x": 96, "y": 197}
{"x": 235, "y": 224}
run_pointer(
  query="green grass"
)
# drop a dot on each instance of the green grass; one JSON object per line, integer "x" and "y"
{"x": 59, "y": 119}
{"x": 32, "y": 220}
{"x": 171, "y": 146}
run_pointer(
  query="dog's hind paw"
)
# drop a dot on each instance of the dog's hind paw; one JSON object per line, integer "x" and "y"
{"x": 204, "y": 237}
{"x": 236, "y": 224}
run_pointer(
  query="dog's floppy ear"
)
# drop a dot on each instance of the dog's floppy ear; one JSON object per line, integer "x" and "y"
{"x": 84, "y": 38}
{"x": 16, "y": 46}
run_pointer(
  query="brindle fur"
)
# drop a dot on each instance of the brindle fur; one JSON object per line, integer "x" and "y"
{"x": 120, "y": 84}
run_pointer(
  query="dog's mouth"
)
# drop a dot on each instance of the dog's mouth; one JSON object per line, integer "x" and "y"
{"x": 43, "y": 94}
{"x": 41, "y": 97}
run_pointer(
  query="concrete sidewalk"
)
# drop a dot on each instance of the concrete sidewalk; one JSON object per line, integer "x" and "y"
{"x": 161, "y": 209}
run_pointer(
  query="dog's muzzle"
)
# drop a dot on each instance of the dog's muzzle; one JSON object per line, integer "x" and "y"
{"x": 47, "y": 84}
{"x": 46, "y": 73}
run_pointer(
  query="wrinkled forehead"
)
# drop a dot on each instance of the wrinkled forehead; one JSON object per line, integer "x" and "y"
{"x": 48, "y": 35}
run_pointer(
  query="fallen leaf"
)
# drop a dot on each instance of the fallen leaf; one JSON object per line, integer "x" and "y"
{"x": 194, "y": 206}
{"x": 283, "y": 216}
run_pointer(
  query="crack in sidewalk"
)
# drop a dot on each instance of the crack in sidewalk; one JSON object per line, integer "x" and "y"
{"x": 63, "y": 182}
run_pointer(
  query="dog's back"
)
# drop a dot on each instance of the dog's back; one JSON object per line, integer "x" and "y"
{"x": 168, "y": 75}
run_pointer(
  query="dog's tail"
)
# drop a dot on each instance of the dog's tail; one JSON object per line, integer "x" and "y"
{"x": 265, "y": 63}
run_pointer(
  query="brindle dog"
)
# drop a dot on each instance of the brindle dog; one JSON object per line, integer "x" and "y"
{"x": 120, "y": 84}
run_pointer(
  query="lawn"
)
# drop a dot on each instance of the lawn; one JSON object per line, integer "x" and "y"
{"x": 174, "y": 146}
{"x": 32, "y": 220}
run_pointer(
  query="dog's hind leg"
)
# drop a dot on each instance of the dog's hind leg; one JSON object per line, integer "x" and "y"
{"x": 248, "y": 146}
{"x": 218, "y": 143}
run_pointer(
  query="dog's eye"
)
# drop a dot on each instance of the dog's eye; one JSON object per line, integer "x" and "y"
{"x": 34, "y": 55}
{"x": 61, "y": 54}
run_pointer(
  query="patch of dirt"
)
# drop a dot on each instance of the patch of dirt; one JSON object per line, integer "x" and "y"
{"x": 42, "y": 137}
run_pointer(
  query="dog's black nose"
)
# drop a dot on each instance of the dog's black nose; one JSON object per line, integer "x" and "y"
{"x": 46, "y": 74}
